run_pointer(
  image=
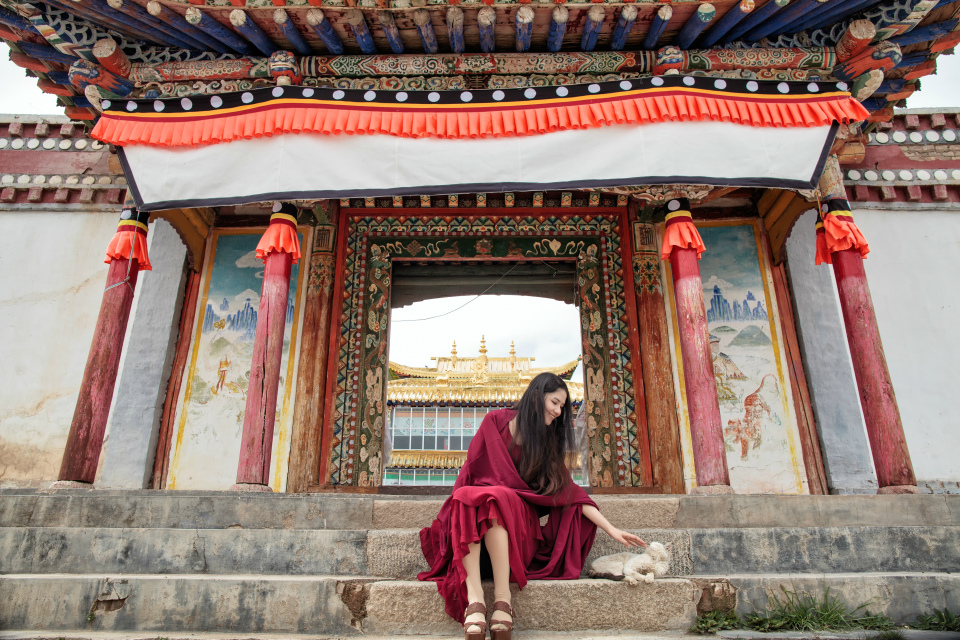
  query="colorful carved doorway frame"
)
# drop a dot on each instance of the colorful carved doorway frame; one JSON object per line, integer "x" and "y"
{"x": 596, "y": 238}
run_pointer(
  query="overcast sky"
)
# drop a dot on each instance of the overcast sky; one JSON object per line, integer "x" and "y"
{"x": 545, "y": 329}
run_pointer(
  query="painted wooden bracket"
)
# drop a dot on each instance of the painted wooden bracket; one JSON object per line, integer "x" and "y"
{"x": 884, "y": 56}
{"x": 866, "y": 84}
{"x": 176, "y": 21}
{"x": 658, "y": 26}
{"x": 728, "y": 21}
{"x": 388, "y": 23}
{"x": 628, "y": 15}
{"x": 214, "y": 29}
{"x": 487, "y": 22}
{"x": 856, "y": 38}
{"x": 290, "y": 32}
{"x": 591, "y": 27}
{"x": 249, "y": 30}
{"x": 421, "y": 19}
{"x": 558, "y": 28}
{"x": 524, "y": 27}
{"x": 360, "y": 31}
{"x": 756, "y": 18}
{"x": 455, "y": 29}
{"x": 109, "y": 54}
{"x": 84, "y": 72}
{"x": 324, "y": 30}
{"x": 695, "y": 25}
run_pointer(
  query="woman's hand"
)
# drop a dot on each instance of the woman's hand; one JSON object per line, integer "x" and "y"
{"x": 626, "y": 538}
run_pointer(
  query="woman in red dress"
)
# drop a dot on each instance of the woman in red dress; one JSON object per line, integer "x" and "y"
{"x": 513, "y": 475}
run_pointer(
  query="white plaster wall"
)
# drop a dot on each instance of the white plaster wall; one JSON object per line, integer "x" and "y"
{"x": 52, "y": 276}
{"x": 913, "y": 270}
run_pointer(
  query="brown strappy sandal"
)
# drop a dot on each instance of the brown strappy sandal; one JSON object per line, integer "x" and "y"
{"x": 502, "y": 634}
{"x": 475, "y": 607}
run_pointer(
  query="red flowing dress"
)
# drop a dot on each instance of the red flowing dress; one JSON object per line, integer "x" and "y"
{"x": 489, "y": 488}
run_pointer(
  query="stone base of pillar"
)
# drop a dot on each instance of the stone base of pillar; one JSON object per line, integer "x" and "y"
{"x": 712, "y": 490}
{"x": 70, "y": 484}
{"x": 248, "y": 487}
{"x": 898, "y": 489}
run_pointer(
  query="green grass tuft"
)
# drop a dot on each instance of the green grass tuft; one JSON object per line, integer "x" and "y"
{"x": 800, "y": 611}
{"x": 713, "y": 621}
{"x": 889, "y": 634}
{"x": 939, "y": 621}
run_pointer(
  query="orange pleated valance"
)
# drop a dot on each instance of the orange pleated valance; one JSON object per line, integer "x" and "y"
{"x": 204, "y": 120}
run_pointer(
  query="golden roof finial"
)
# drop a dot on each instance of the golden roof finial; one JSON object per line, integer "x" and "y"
{"x": 513, "y": 351}
{"x": 483, "y": 345}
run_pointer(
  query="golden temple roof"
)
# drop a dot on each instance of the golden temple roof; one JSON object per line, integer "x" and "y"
{"x": 471, "y": 381}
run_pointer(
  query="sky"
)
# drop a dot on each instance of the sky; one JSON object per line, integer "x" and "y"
{"x": 545, "y": 329}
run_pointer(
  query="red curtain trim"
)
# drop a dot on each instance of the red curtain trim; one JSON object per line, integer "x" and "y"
{"x": 277, "y": 119}
{"x": 841, "y": 232}
{"x": 119, "y": 247}
{"x": 681, "y": 235}
{"x": 279, "y": 236}
{"x": 822, "y": 255}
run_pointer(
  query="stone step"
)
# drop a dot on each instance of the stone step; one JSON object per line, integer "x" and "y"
{"x": 223, "y": 510}
{"x": 396, "y": 553}
{"x": 328, "y": 605}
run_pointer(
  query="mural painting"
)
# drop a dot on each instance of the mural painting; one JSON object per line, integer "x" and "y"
{"x": 759, "y": 427}
{"x": 210, "y": 419}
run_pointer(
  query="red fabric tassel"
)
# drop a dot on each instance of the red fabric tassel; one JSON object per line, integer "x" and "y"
{"x": 843, "y": 233}
{"x": 823, "y": 256}
{"x": 281, "y": 235}
{"x": 680, "y": 233}
{"x": 119, "y": 247}
{"x": 839, "y": 230}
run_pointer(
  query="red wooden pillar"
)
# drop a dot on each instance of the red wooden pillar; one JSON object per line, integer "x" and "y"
{"x": 884, "y": 427}
{"x": 279, "y": 249}
{"x": 127, "y": 256}
{"x": 682, "y": 246}
{"x": 840, "y": 242}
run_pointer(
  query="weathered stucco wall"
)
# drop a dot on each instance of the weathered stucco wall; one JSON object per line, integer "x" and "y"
{"x": 912, "y": 269}
{"x": 52, "y": 275}
{"x": 830, "y": 379}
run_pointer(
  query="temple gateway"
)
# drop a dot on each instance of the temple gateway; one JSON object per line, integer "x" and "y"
{"x": 707, "y": 179}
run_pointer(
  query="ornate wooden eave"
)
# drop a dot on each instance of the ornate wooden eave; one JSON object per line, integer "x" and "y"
{"x": 158, "y": 49}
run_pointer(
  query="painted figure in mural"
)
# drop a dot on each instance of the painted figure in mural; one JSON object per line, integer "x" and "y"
{"x": 222, "y": 373}
{"x": 513, "y": 475}
{"x": 748, "y": 431}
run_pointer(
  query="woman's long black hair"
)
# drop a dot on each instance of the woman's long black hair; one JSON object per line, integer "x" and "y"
{"x": 543, "y": 446}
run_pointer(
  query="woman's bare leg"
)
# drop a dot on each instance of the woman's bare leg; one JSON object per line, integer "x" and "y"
{"x": 497, "y": 542}
{"x": 471, "y": 564}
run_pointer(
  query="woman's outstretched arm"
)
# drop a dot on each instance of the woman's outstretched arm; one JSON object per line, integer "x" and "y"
{"x": 623, "y": 537}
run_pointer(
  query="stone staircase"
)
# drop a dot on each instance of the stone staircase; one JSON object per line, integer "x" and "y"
{"x": 94, "y": 561}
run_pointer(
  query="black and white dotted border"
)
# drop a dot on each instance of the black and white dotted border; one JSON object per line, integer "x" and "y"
{"x": 929, "y": 136}
{"x": 475, "y": 97}
{"x": 899, "y": 176}
{"x": 50, "y": 144}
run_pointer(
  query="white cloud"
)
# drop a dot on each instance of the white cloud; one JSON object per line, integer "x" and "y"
{"x": 250, "y": 261}
{"x": 718, "y": 282}
{"x": 241, "y": 299}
